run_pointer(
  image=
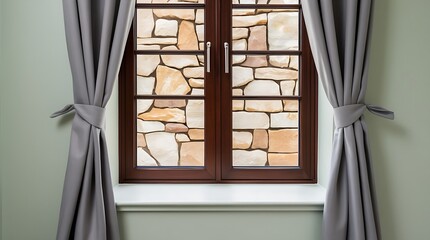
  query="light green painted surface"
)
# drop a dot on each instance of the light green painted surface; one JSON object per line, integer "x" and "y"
{"x": 400, "y": 80}
{"x": 35, "y": 81}
{"x": 1, "y": 123}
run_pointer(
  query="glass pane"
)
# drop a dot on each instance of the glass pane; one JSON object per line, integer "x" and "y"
{"x": 265, "y": 133}
{"x": 170, "y": 1}
{"x": 264, "y": 75}
{"x": 170, "y": 132}
{"x": 170, "y": 29}
{"x": 265, "y": 29}
{"x": 265, "y": 1}
{"x": 170, "y": 75}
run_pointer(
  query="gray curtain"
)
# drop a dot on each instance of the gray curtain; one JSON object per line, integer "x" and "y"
{"x": 96, "y": 33}
{"x": 339, "y": 33}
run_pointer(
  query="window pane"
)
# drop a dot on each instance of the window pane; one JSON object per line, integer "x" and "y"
{"x": 265, "y": 132}
{"x": 170, "y": 29}
{"x": 170, "y": 1}
{"x": 265, "y": 1}
{"x": 170, "y": 132}
{"x": 170, "y": 75}
{"x": 265, "y": 29}
{"x": 264, "y": 75}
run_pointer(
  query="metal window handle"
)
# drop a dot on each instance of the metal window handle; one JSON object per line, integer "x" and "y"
{"x": 226, "y": 58}
{"x": 208, "y": 57}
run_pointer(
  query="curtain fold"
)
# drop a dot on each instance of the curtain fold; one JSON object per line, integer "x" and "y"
{"x": 339, "y": 35}
{"x": 96, "y": 34}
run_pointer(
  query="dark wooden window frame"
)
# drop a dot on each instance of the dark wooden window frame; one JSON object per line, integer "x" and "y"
{"x": 218, "y": 125}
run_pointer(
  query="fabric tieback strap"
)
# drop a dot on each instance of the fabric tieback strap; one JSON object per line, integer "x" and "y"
{"x": 93, "y": 115}
{"x": 349, "y": 114}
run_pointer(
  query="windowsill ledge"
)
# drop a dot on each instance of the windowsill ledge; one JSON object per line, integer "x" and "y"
{"x": 218, "y": 197}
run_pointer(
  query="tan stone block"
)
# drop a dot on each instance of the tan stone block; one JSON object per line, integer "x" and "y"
{"x": 186, "y": 14}
{"x": 260, "y": 139}
{"x": 246, "y": 120}
{"x": 161, "y": 103}
{"x": 187, "y": 38}
{"x": 238, "y": 105}
{"x": 141, "y": 142}
{"x": 242, "y": 140}
{"x": 268, "y": 106}
{"x": 291, "y": 105}
{"x": 146, "y": 19}
{"x": 276, "y": 73}
{"x": 196, "y": 134}
{"x": 144, "y": 159}
{"x": 257, "y": 38}
{"x": 170, "y": 82}
{"x": 279, "y": 159}
{"x": 194, "y": 72}
{"x": 247, "y": 21}
{"x": 287, "y": 87}
{"x": 249, "y": 158}
{"x": 163, "y": 147}
{"x": 242, "y": 76}
{"x": 255, "y": 61}
{"x": 180, "y": 137}
{"x": 164, "y": 114}
{"x": 238, "y": 33}
{"x": 283, "y": 141}
{"x": 192, "y": 154}
{"x": 146, "y": 64}
{"x": 176, "y": 127}
{"x": 196, "y": 82}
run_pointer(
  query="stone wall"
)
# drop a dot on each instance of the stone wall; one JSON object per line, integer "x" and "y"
{"x": 171, "y": 132}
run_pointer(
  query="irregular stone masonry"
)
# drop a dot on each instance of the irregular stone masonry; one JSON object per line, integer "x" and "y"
{"x": 171, "y": 132}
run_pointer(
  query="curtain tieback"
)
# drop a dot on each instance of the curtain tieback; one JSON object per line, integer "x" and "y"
{"x": 93, "y": 115}
{"x": 349, "y": 114}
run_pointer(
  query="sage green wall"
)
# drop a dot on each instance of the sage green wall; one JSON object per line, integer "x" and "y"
{"x": 35, "y": 81}
{"x": 1, "y": 159}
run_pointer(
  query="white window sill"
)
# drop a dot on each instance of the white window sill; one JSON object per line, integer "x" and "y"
{"x": 218, "y": 197}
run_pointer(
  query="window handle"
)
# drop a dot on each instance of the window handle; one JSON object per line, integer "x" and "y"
{"x": 226, "y": 58}
{"x": 208, "y": 57}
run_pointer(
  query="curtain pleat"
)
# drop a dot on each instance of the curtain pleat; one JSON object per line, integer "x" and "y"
{"x": 96, "y": 34}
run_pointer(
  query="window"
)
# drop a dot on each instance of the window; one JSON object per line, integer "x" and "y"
{"x": 218, "y": 91}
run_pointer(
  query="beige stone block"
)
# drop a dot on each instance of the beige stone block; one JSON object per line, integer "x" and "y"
{"x": 248, "y": 21}
{"x": 237, "y": 59}
{"x": 239, "y": 44}
{"x": 276, "y": 73}
{"x": 152, "y": 41}
{"x": 143, "y": 105}
{"x": 164, "y": 114}
{"x": 284, "y": 120}
{"x": 283, "y": 141}
{"x": 195, "y": 114}
{"x": 238, "y": 33}
{"x": 283, "y": 30}
{"x": 291, "y": 105}
{"x": 247, "y": 120}
{"x": 260, "y": 139}
{"x": 192, "y": 154}
{"x": 145, "y": 85}
{"x": 149, "y": 126}
{"x": 242, "y": 140}
{"x": 200, "y": 30}
{"x": 263, "y": 105}
{"x": 161, "y": 103}
{"x": 238, "y": 105}
{"x": 279, "y": 61}
{"x": 287, "y": 87}
{"x": 163, "y": 147}
{"x": 176, "y": 128}
{"x": 257, "y": 38}
{"x": 287, "y": 160}
{"x": 170, "y": 82}
{"x": 196, "y": 82}
{"x": 196, "y": 134}
{"x": 140, "y": 139}
{"x": 166, "y": 28}
{"x": 187, "y": 38}
{"x": 185, "y": 14}
{"x": 180, "y": 137}
{"x": 255, "y": 61}
{"x": 146, "y": 64}
{"x": 179, "y": 62}
{"x": 242, "y": 76}
{"x": 262, "y": 88}
{"x": 200, "y": 16}
{"x": 146, "y": 23}
{"x": 144, "y": 159}
{"x": 194, "y": 72}
{"x": 249, "y": 158}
